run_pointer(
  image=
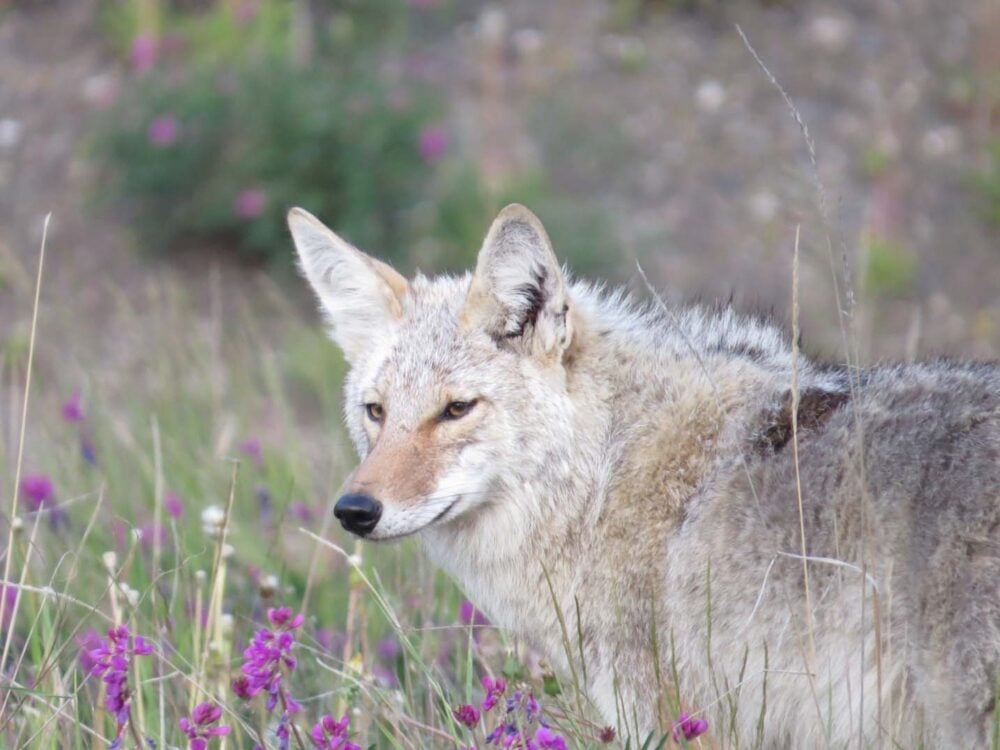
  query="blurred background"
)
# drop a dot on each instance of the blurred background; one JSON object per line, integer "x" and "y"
{"x": 168, "y": 138}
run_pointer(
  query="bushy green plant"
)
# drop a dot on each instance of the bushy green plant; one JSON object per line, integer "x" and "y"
{"x": 988, "y": 184}
{"x": 216, "y": 142}
{"x": 582, "y": 233}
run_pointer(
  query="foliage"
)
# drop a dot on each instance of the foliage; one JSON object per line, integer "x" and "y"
{"x": 890, "y": 270}
{"x": 988, "y": 184}
{"x": 581, "y": 231}
{"x": 225, "y": 128}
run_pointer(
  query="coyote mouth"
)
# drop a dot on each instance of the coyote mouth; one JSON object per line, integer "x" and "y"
{"x": 438, "y": 517}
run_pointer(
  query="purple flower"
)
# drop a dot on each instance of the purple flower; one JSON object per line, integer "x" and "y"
{"x": 111, "y": 661}
{"x": 87, "y": 449}
{"x": 198, "y": 728}
{"x": 250, "y": 203}
{"x": 163, "y": 131}
{"x": 330, "y": 734}
{"x": 144, "y": 52}
{"x": 689, "y": 727}
{"x": 9, "y": 593}
{"x": 494, "y": 689}
{"x": 88, "y": 641}
{"x": 37, "y": 491}
{"x": 433, "y": 143}
{"x": 251, "y": 447}
{"x": 606, "y": 735}
{"x": 469, "y": 615}
{"x": 466, "y": 714}
{"x": 267, "y": 660}
{"x": 546, "y": 739}
{"x": 301, "y": 511}
{"x": 173, "y": 505}
{"x": 387, "y": 649}
{"x": 72, "y": 411}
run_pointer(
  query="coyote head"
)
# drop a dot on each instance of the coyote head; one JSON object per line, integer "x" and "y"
{"x": 456, "y": 385}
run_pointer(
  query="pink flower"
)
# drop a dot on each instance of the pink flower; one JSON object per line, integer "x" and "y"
{"x": 549, "y": 740}
{"x": 71, "y": 409}
{"x": 246, "y": 12}
{"x": 469, "y": 615}
{"x": 144, "y": 52}
{"x": 198, "y": 728}
{"x": 250, "y": 203}
{"x": 251, "y": 447}
{"x": 433, "y": 143}
{"x": 173, "y": 505}
{"x": 466, "y": 714}
{"x": 37, "y": 491}
{"x": 163, "y": 131}
{"x": 494, "y": 689}
{"x": 8, "y": 592}
{"x": 689, "y": 727}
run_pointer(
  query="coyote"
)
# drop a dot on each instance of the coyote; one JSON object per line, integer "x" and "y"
{"x": 671, "y": 504}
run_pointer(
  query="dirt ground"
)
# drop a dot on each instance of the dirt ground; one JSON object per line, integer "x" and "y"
{"x": 708, "y": 180}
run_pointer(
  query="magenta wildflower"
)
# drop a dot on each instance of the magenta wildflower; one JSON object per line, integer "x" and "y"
{"x": 606, "y": 735}
{"x": 199, "y": 729}
{"x": 546, "y": 739}
{"x": 251, "y": 447}
{"x": 268, "y": 658}
{"x": 37, "y": 491}
{"x": 250, "y": 203}
{"x": 9, "y": 593}
{"x": 112, "y": 658}
{"x": 433, "y": 143}
{"x": 466, "y": 714}
{"x": 330, "y": 734}
{"x": 163, "y": 131}
{"x": 494, "y": 689}
{"x": 72, "y": 411}
{"x": 88, "y": 641}
{"x": 173, "y": 505}
{"x": 301, "y": 511}
{"x": 144, "y": 53}
{"x": 469, "y": 615}
{"x": 689, "y": 727}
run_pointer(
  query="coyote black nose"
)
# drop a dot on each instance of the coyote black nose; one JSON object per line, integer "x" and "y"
{"x": 358, "y": 513}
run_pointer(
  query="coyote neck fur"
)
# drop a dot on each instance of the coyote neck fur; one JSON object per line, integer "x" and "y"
{"x": 638, "y": 446}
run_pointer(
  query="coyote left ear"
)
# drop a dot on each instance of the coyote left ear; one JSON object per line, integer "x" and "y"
{"x": 517, "y": 293}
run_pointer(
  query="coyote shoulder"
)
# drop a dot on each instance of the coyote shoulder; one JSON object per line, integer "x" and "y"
{"x": 647, "y": 473}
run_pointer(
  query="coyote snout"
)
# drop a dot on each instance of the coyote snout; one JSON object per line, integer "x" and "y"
{"x": 358, "y": 512}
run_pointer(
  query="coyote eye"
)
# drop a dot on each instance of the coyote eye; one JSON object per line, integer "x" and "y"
{"x": 457, "y": 409}
{"x": 375, "y": 412}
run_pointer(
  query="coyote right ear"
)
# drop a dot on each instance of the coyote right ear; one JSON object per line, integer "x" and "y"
{"x": 517, "y": 291}
{"x": 361, "y": 296}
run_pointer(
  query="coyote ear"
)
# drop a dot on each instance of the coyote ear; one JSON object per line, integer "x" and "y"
{"x": 360, "y": 296}
{"x": 517, "y": 292}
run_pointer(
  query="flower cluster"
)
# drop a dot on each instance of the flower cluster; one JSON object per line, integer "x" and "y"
{"x": 330, "y": 734}
{"x": 199, "y": 729}
{"x": 111, "y": 660}
{"x": 268, "y": 659}
{"x": 522, "y": 727}
{"x": 688, "y": 727}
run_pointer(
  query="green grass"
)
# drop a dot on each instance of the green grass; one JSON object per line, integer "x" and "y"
{"x": 172, "y": 421}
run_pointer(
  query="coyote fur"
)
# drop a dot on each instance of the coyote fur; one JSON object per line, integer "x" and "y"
{"x": 640, "y": 492}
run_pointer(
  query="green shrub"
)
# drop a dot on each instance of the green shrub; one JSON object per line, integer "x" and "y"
{"x": 988, "y": 184}
{"x": 215, "y": 145}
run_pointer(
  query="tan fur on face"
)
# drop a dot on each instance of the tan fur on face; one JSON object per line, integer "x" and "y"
{"x": 402, "y": 467}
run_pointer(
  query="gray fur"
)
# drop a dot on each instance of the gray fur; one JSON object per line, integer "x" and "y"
{"x": 643, "y": 461}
